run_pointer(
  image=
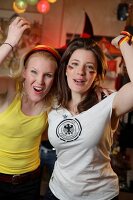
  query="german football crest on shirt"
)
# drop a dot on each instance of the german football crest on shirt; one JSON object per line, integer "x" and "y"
{"x": 69, "y": 130}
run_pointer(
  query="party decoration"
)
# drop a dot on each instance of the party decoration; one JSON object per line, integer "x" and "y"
{"x": 88, "y": 29}
{"x": 21, "y": 4}
{"x": 52, "y": 1}
{"x": 32, "y": 2}
{"x": 17, "y": 10}
{"x": 43, "y": 6}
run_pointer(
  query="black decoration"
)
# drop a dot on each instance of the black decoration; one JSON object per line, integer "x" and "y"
{"x": 122, "y": 11}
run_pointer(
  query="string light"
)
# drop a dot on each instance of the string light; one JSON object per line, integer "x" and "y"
{"x": 17, "y": 10}
{"x": 43, "y": 6}
{"x": 52, "y": 1}
{"x": 32, "y": 2}
{"x": 21, "y": 4}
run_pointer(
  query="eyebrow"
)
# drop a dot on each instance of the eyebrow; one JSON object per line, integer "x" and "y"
{"x": 75, "y": 60}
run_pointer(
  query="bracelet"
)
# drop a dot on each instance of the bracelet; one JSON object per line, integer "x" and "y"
{"x": 9, "y": 45}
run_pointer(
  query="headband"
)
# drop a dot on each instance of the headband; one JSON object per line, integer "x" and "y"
{"x": 45, "y": 48}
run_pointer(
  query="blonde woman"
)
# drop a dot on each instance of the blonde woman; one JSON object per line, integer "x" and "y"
{"x": 25, "y": 97}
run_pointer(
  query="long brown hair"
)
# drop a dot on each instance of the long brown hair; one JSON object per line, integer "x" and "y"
{"x": 64, "y": 92}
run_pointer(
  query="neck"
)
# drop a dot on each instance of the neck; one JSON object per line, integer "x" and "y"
{"x": 73, "y": 103}
{"x": 32, "y": 108}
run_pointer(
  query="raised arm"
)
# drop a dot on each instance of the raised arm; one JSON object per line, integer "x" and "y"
{"x": 123, "y": 101}
{"x": 15, "y": 32}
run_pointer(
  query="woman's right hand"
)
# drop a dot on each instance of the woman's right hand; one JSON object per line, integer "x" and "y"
{"x": 16, "y": 30}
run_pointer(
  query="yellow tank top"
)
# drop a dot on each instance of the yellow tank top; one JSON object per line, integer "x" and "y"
{"x": 20, "y": 137}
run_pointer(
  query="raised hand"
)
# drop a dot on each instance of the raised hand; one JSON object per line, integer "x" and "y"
{"x": 16, "y": 30}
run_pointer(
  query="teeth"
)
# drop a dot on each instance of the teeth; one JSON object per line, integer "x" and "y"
{"x": 38, "y": 88}
{"x": 78, "y": 81}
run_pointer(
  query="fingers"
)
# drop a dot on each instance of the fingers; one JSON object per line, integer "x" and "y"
{"x": 103, "y": 92}
{"x": 16, "y": 30}
{"x": 107, "y": 91}
{"x": 20, "y": 22}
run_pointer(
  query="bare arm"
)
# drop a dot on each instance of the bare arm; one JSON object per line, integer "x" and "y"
{"x": 15, "y": 32}
{"x": 123, "y": 102}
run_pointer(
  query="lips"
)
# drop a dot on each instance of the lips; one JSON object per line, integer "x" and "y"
{"x": 79, "y": 81}
{"x": 38, "y": 90}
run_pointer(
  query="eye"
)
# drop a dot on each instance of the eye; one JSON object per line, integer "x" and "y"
{"x": 91, "y": 68}
{"x": 73, "y": 65}
{"x": 50, "y": 75}
{"x": 33, "y": 71}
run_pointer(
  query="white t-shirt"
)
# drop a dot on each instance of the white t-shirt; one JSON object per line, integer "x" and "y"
{"x": 83, "y": 143}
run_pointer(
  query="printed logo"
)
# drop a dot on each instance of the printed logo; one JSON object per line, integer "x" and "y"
{"x": 69, "y": 130}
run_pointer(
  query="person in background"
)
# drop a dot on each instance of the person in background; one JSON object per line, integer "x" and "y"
{"x": 122, "y": 76}
{"x": 26, "y": 96}
{"x": 125, "y": 136}
{"x": 82, "y": 126}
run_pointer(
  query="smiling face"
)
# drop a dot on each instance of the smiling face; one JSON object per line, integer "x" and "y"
{"x": 81, "y": 70}
{"x": 38, "y": 76}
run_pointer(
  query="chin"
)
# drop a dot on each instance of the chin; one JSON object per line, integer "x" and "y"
{"x": 36, "y": 100}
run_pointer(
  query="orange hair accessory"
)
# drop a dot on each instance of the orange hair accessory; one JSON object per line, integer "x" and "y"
{"x": 46, "y": 48}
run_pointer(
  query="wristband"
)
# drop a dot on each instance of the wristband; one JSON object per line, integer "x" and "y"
{"x": 122, "y": 40}
{"x": 127, "y": 37}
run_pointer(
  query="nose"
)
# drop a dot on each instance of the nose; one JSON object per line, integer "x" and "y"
{"x": 40, "y": 80}
{"x": 81, "y": 70}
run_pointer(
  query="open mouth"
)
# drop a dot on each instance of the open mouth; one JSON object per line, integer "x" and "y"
{"x": 79, "y": 81}
{"x": 38, "y": 89}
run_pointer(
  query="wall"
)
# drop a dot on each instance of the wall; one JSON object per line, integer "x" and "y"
{"x": 102, "y": 15}
{"x": 68, "y": 16}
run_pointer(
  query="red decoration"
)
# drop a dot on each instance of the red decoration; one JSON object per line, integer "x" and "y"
{"x": 43, "y": 6}
{"x": 111, "y": 65}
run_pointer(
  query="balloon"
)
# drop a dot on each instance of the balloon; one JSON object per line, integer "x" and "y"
{"x": 43, "y": 6}
{"x": 52, "y": 1}
{"x": 21, "y": 4}
{"x": 17, "y": 10}
{"x": 32, "y": 2}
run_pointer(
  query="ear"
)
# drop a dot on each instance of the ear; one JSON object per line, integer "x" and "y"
{"x": 24, "y": 73}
